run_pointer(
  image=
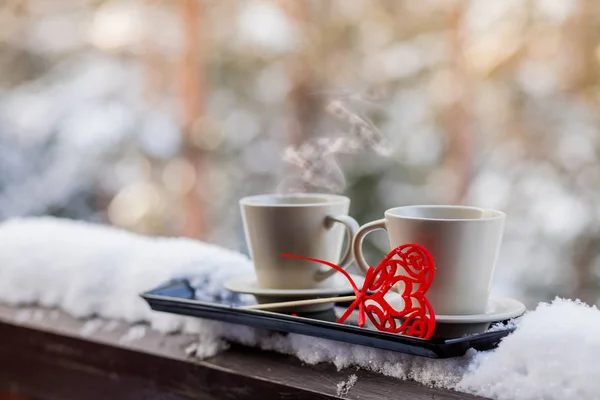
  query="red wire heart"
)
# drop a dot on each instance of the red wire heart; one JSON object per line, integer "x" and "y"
{"x": 417, "y": 318}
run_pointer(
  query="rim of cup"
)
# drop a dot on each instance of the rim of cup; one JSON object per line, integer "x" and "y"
{"x": 286, "y": 200}
{"x": 469, "y": 213}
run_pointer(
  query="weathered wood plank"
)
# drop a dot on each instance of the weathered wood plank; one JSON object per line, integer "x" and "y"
{"x": 49, "y": 359}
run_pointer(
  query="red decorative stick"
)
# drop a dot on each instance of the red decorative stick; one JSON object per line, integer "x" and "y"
{"x": 417, "y": 318}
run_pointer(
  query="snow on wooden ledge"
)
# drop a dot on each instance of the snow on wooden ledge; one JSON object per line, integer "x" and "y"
{"x": 90, "y": 270}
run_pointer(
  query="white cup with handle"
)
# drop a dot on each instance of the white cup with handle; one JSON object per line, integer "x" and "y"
{"x": 308, "y": 225}
{"x": 464, "y": 243}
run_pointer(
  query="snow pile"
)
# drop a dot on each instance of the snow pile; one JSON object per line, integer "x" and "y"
{"x": 445, "y": 373}
{"x": 134, "y": 333}
{"x": 344, "y": 387}
{"x": 552, "y": 355}
{"x": 98, "y": 272}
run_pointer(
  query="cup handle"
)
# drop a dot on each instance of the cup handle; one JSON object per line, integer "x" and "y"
{"x": 351, "y": 227}
{"x": 357, "y": 243}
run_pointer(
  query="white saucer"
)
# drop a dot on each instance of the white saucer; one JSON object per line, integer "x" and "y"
{"x": 455, "y": 326}
{"x": 497, "y": 310}
{"x": 248, "y": 285}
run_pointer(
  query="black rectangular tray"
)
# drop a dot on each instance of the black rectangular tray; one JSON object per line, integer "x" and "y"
{"x": 178, "y": 297}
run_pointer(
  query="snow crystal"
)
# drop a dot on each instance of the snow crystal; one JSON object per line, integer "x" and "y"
{"x": 134, "y": 333}
{"x": 510, "y": 324}
{"x": 90, "y": 327}
{"x": 23, "y": 316}
{"x": 191, "y": 349}
{"x": 38, "y": 315}
{"x": 344, "y": 387}
{"x": 96, "y": 271}
{"x": 110, "y": 326}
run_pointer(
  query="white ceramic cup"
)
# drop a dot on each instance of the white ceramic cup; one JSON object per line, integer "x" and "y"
{"x": 308, "y": 225}
{"x": 464, "y": 243}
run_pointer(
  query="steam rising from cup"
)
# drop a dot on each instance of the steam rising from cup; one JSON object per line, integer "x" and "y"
{"x": 315, "y": 160}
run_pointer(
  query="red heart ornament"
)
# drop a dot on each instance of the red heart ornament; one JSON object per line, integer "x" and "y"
{"x": 411, "y": 268}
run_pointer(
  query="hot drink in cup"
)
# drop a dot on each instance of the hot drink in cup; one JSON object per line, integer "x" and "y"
{"x": 464, "y": 243}
{"x": 310, "y": 225}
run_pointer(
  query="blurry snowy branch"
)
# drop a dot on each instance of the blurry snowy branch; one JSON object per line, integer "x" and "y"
{"x": 488, "y": 103}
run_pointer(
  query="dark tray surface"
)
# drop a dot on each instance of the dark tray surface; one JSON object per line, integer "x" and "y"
{"x": 178, "y": 297}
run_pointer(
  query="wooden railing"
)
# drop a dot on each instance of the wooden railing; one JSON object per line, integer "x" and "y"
{"x": 47, "y": 358}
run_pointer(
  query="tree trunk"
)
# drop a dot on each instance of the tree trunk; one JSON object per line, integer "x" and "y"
{"x": 192, "y": 90}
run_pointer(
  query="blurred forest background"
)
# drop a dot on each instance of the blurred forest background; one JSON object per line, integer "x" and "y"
{"x": 158, "y": 115}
